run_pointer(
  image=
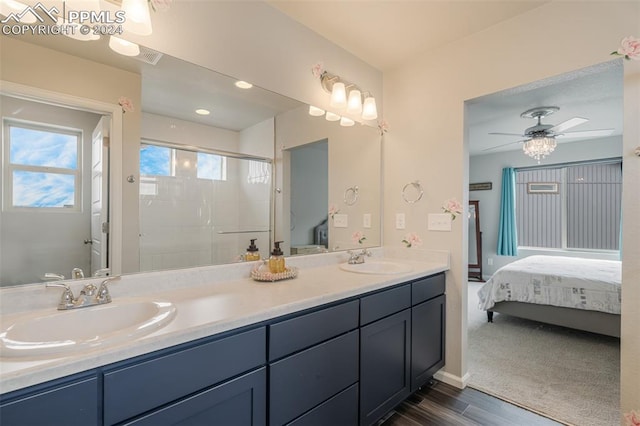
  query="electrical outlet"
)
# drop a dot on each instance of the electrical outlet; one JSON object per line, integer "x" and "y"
{"x": 340, "y": 221}
{"x": 400, "y": 221}
{"x": 439, "y": 222}
{"x": 366, "y": 220}
{"x": 490, "y": 261}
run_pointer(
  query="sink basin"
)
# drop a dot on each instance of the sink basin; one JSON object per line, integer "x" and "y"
{"x": 65, "y": 332}
{"x": 381, "y": 267}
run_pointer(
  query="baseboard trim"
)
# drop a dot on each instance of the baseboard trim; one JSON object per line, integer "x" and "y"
{"x": 450, "y": 379}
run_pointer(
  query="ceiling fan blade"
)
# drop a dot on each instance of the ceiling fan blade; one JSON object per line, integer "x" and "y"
{"x": 565, "y": 125}
{"x": 586, "y": 134}
{"x": 506, "y": 134}
{"x": 504, "y": 144}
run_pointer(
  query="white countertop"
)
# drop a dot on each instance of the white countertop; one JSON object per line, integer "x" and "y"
{"x": 209, "y": 301}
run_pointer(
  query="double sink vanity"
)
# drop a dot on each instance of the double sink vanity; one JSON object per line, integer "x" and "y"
{"x": 340, "y": 344}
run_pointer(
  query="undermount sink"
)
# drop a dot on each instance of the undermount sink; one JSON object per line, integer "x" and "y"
{"x": 66, "y": 332}
{"x": 381, "y": 267}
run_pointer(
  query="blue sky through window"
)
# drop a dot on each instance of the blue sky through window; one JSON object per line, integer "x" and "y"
{"x": 155, "y": 160}
{"x": 35, "y": 189}
{"x": 43, "y": 148}
{"x": 209, "y": 166}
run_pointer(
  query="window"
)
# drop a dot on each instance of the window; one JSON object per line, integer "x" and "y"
{"x": 155, "y": 160}
{"x": 572, "y": 207}
{"x": 211, "y": 166}
{"x": 42, "y": 166}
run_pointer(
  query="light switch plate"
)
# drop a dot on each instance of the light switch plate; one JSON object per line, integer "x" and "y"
{"x": 340, "y": 221}
{"x": 439, "y": 222}
{"x": 400, "y": 221}
{"x": 366, "y": 220}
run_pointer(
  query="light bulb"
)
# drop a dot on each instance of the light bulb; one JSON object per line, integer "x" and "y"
{"x": 346, "y": 122}
{"x": 369, "y": 110}
{"x": 338, "y": 95}
{"x": 123, "y": 47}
{"x": 332, "y": 117}
{"x": 137, "y": 17}
{"x": 354, "y": 104}
{"x": 315, "y": 111}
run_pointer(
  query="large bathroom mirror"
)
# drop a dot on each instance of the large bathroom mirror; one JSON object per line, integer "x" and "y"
{"x": 210, "y": 183}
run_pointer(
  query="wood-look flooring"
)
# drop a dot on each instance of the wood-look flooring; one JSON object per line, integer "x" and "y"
{"x": 442, "y": 404}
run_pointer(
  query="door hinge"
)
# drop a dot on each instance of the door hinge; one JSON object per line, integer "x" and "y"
{"x": 105, "y": 227}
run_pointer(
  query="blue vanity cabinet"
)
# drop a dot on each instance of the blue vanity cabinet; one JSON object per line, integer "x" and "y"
{"x": 385, "y": 352}
{"x": 313, "y": 367}
{"x": 209, "y": 379}
{"x": 427, "y": 328}
{"x": 65, "y": 402}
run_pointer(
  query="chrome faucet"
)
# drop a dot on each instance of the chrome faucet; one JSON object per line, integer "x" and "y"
{"x": 357, "y": 258}
{"x": 90, "y": 295}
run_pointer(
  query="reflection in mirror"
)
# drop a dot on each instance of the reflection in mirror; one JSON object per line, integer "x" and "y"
{"x": 475, "y": 242}
{"x": 241, "y": 124}
{"x": 353, "y": 159}
{"x": 199, "y": 207}
{"x": 52, "y": 185}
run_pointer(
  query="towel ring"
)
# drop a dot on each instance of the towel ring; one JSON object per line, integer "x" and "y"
{"x": 351, "y": 195}
{"x": 412, "y": 198}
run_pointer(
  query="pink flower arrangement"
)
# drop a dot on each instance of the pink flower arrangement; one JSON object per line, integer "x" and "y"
{"x": 412, "y": 240}
{"x": 358, "y": 237}
{"x": 632, "y": 418}
{"x": 126, "y": 104}
{"x": 452, "y": 206}
{"x": 629, "y": 48}
{"x": 317, "y": 70}
{"x": 333, "y": 210}
{"x": 383, "y": 126}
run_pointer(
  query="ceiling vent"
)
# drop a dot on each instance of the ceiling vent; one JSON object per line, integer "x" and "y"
{"x": 148, "y": 56}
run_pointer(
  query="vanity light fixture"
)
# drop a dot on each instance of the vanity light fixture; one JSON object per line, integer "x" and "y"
{"x": 332, "y": 117}
{"x": 346, "y": 122}
{"x": 123, "y": 47}
{"x": 315, "y": 111}
{"x": 243, "y": 84}
{"x": 202, "y": 111}
{"x": 138, "y": 19}
{"x": 347, "y": 95}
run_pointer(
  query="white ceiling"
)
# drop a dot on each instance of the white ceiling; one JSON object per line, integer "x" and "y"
{"x": 388, "y": 33}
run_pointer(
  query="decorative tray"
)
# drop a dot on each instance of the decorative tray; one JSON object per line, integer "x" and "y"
{"x": 261, "y": 272}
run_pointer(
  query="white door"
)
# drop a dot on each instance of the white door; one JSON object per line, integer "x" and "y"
{"x": 100, "y": 196}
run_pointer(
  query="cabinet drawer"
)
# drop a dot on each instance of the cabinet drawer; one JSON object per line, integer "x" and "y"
{"x": 385, "y": 303}
{"x": 141, "y": 387}
{"x": 241, "y": 401}
{"x": 427, "y": 288}
{"x": 341, "y": 410}
{"x": 73, "y": 403}
{"x": 304, "y": 331}
{"x": 304, "y": 380}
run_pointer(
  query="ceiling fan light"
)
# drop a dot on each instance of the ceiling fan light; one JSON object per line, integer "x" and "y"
{"x": 539, "y": 147}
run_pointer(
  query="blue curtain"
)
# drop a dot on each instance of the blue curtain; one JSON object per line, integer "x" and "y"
{"x": 507, "y": 231}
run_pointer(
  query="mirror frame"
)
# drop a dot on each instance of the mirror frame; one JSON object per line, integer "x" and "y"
{"x": 475, "y": 269}
{"x": 35, "y": 94}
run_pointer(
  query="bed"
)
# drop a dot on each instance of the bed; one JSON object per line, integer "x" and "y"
{"x": 572, "y": 292}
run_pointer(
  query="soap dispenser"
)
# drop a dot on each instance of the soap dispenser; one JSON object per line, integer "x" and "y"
{"x": 252, "y": 252}
{"x": 276, "y": 261}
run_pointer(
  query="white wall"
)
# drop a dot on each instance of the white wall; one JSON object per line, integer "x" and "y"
{"x": 36, "y": 242}
{"x": 488, "y": 168}
{"x": 424, "y": 106}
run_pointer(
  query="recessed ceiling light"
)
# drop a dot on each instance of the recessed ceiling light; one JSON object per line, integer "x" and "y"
{"x": 243, "y": 84}
{"x": 202, "y": 111}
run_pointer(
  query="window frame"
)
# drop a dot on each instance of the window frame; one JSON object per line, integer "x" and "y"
{"x": 562, "y": 191}
{"x": 9, "y": 167}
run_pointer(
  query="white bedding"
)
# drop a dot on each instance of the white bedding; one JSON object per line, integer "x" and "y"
{"x": 570, "y": 282}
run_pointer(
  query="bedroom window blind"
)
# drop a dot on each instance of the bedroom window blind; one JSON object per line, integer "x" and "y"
{"x": 583, "y": 213}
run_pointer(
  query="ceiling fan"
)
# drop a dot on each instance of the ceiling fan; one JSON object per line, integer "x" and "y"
{"x": 540, "y": 140}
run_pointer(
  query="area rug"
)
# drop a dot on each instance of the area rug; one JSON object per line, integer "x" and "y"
{"x": 567, "y": 375}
